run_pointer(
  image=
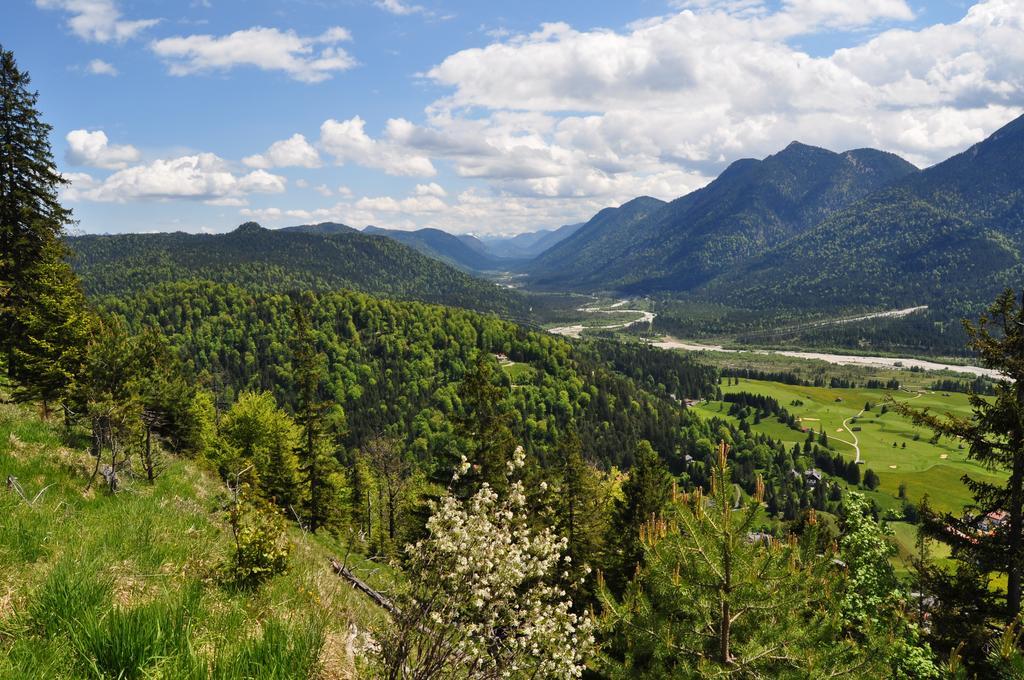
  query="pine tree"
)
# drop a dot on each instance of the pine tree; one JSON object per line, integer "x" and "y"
{"x": 40, "y": 302}
{"x": 995, "y": 439}
{"x": 716, "y": 599}
{"x": 644, "y": 495}
{"x": 318, "y": 464}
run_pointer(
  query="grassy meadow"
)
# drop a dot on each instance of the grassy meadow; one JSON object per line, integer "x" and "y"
{"x": 129, "y": 585}
{"x": 890, "y": 444}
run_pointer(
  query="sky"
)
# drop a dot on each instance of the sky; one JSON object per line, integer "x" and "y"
{"x": 485, "y": 117}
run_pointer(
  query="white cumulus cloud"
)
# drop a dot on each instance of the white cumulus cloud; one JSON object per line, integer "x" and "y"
{"x": 94, "y": 150}
{"x": 348, "y": 142}
{"x": 98, "y": 20}
{"x": 98, "y": 67}
{"x": 292, "y": 152}
{"x": 399, "y": 8}
{"x": 204, "y": 177}
{"x": 306, "y": 59}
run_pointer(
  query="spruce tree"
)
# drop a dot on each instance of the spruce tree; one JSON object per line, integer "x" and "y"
{"x": 995, "y": 438}
{"x": 318, "y": 465}
{"x": 40, "y": 303}
{"x": 484, "y": 430}
{"x": 644, "y": 495}
{"x": 581, "y": 507}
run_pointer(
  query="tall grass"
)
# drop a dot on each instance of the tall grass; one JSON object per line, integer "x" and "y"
{"x": 127, "y": 586}
{"x": 123, "y": 643}
{"x": 284, "y": 650}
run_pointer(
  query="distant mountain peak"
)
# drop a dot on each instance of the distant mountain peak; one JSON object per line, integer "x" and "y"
{"x": 249, "y": 228}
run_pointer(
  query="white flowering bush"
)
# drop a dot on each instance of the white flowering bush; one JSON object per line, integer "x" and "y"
{"x": 487, "y": 598}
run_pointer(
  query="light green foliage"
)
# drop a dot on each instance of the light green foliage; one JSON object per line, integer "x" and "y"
{"x": 715, "y": 599}
{"x": 258, "y": 435}
{"x": 261, "y": 547}
{"x": 873, "y": 602}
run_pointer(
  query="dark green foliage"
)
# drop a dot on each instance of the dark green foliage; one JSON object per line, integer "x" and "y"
{"x": 41, "y": 305}
{"x": 948, "y": 236}
{"x": 577, "y": 260}
{"x": 484, "y": 428}
{"x": 393, "y": 365}
{"x": 644, "y": 496}
{"x": 716, "y": 599}
{"x": 262, "y": 260}
{"x": 995, "y": 438}
{"x": 871, "y": 480}
{"x": 309, "y": 370}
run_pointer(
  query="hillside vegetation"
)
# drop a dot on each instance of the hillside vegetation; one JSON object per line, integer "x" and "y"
{"x": 132, "y": 585}
{"x": 275, "y": 260}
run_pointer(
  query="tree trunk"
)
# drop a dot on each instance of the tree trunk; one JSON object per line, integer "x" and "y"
{"x": 1013, "y": 569}
{"x": 95, "y": 450}
{"x": 149, "y": 454}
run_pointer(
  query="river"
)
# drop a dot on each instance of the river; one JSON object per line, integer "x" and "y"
{"x": 669, "y": 342}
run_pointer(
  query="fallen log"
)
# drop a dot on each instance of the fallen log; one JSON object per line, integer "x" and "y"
{"x": 375, "y": 595}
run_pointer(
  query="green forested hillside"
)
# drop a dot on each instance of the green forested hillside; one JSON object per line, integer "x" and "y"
{"x": 950, "y": 236}
{"x": 396, "y": 366}
{"x": 577, "y": 260}
{"x": 752, "y": 206}
{"x": 443, "y": 246}
{"x": 267, "y": 260}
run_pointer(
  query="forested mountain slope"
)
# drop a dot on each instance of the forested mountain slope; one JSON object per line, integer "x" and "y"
{"x": 396, "y": 367}
{"x": 276, "y": 260}
{"x": 442, "y": 246}
{"x": 949, "y": 236}
{"x": 752, "y": 206}
{"x": 577, "y": 261}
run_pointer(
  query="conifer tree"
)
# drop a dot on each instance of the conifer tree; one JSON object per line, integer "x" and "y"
{"x": 319, "y": 466}
{"x": 40, "y": 301}
{"x": 260, "y": 436}
{"x": 581, "y": 507}
{"x": 644, "y": 495}
{"x": 995, "y": 438}
{"x": 716, "y": 599}
{"x": 484, "y": 429}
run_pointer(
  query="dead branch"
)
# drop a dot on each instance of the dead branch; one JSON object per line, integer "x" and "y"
{"x": 375, "y": 595}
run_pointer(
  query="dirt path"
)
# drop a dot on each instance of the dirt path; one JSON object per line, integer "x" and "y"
{"x": 856, "y": 442}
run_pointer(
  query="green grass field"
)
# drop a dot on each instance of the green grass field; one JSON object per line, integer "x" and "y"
{"x": 928, "y": 468}
{"x": 925, "y": 468}
{"x": 127, "y": 585}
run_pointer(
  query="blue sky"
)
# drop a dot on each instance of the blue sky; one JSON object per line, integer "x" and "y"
{"x": 485, "y": 117}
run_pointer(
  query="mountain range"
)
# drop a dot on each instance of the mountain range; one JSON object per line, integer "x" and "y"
{"x": 808, "y": 228}
{"x": 805, "y": 228}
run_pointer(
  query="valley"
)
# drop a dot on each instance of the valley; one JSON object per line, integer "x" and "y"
{"x": 427, "y": 342}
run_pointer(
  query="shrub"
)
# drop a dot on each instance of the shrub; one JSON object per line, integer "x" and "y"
{"x": 261, "y": 546}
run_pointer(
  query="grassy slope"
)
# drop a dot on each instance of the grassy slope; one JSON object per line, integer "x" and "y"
{"x": 94, "y": 584}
